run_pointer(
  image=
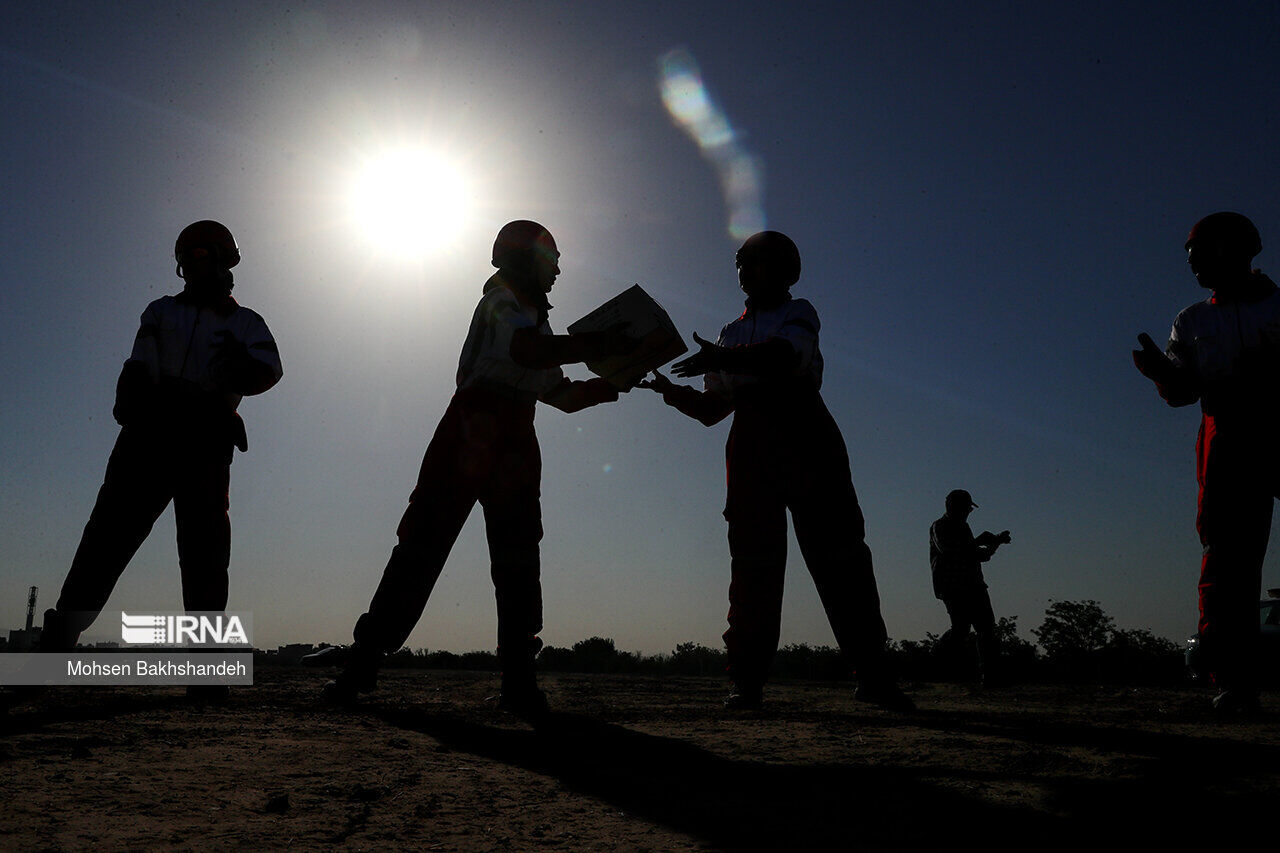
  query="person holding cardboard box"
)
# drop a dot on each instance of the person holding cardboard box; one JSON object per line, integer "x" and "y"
{"x": 485, "y": 450}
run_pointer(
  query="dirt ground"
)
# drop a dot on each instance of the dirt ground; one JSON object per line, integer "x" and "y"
{"x": 631, "y": 763}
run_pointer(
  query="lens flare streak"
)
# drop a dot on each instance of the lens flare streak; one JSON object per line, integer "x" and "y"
{"x": 686, "y": 98}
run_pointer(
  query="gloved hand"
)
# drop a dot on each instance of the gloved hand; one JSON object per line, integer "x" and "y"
{"x": 234, "y": 369}
{"x": 601, "y": 391}
{"x": 708, "y": 359}
{"x": 1151, "y": 360}
{"x": 658, "y": 383}
{"x": 135, "y": 394}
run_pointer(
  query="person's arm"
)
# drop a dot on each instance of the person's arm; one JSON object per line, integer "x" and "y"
{"x": 768, "y": 358}
{"x": 706, "y": 407}
{"x": 246, "y": 367}
{"x": 135, "y": 394}
{"x": 136, "y": 386}
{"x": 987, "y": 543}
{"x": 570, "y": 396}
{"x": 1174, "y": 381}
{"x": 954, "y": 541}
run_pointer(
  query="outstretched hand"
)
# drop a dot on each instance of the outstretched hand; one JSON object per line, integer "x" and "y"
{"x": 658, "y": 383}
{"x": 1004, "y": 538}
{"x": 705, "y": 360}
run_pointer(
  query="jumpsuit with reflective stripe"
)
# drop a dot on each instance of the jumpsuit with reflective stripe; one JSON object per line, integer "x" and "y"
{"x": 178, "y": 449}
{"x": 785, "y": 452}
{"x": 1231, "y": 350}
{"x": 484, "y": 450}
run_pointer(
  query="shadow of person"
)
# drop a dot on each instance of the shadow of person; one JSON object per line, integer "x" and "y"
{"x": 732, "y": 804}
{"x": 1125, "y": 773}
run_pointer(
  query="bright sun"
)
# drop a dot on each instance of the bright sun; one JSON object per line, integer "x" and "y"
{"x": 410, "y": 202}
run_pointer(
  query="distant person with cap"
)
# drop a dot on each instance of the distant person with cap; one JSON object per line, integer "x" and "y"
{"x": 485, "y": 450}
{"x": 1225, "y": 353}
{"x": 785, "y": 452}
{"x": 196, "y": 355}
{"x": 955, "y": 560}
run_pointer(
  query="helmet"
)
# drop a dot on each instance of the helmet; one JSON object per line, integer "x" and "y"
{"x": 960, "y": 499}
{"x": 518, "y": 240}
{"x": 212, "y": 237}
{"x": 1233, "y": 230}
{"x": 776, "y": 251}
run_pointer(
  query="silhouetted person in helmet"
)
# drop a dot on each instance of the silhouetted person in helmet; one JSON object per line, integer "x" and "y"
{"x": 1225, "y": 353}
{"x": 785, "y": 452}
{"x": 195, "y": 356}
{"x": 485, "y": 450}
{"x": 955, "y": 561}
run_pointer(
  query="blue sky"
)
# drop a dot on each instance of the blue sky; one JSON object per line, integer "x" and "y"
{"x": 990, "y": 200}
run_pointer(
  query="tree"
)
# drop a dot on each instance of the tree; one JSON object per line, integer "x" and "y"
{"x": 1138, "y": 656}
{"x": 1073, "y": 630}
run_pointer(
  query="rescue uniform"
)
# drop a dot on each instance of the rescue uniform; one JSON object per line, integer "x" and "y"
{"x": 955, "y": 561}
{"x": 484, "y": 449}
{"x": 785, "y": 452}
{"x": 176, "y": 403}
{"x": 1230, "y": 349}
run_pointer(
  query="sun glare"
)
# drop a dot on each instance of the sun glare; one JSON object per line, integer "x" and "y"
{"x": 410, "y": 202}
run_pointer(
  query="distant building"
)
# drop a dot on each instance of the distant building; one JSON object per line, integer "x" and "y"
{"x": 23, "y": 639}
{"x": 293, "y": 652}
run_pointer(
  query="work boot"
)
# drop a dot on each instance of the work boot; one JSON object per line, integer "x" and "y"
{"x": 526, "y": 702}
{"x": 744, "y": 697}
{"x": 1236, "y": 702}
{"x": 359, "y": 676}
{"x": 886, "y": 694}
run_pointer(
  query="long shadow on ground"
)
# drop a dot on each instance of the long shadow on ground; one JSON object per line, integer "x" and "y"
{"x": 1168, "y": 785}
{"x": 739, "y": 804}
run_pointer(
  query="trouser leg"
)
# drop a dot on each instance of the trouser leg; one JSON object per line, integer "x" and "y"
{"x": 200, "y": 504}
{"x": 984, "y": 625}
{"x": 133, "y": 494}
{"x": 951, "y": 645}
{"x": 438, "y": 507}
{"x": 831, "y": 534}
{"x": 758, "y": 560}
{"x": 513, "y": 527}
{"x": 427, "y": 532}
{"x": 1234, "y": 522}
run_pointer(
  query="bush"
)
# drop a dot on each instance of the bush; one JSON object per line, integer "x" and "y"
{"x": 695, "y": 659}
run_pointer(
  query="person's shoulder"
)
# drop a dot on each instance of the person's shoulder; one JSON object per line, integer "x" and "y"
{"x": 799, "y": 308}
{"x": 499, "y": 296}
{"x": 245, "y": 313}
{"x": 1194, "y": 311}
{"x": 800, "y": 304}
{"x": 734, "y": 323}
{"x": 943, "y": 523}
